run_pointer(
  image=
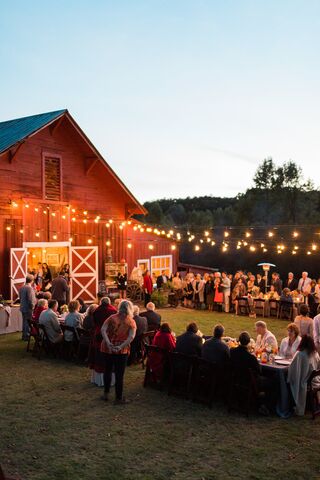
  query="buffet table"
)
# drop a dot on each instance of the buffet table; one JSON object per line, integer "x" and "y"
{"x": 10, "y": 319}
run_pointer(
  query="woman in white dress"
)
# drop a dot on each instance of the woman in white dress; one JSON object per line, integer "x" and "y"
{"x": 289, "y": 345}
{"x": 304, "y": 362}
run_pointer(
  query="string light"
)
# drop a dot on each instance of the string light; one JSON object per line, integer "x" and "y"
{"x": 206, "y": 234}
{"x": 14, "y": 204}
{"x": 129, "y": 245}
{"x": 197, "y": 248}
{"x": 37, "y": 234}
{"x": 151, "y": 247}
{"x": 295, "y": 234}
{"x": 314, "y": 247}
{"x": 8, "y": 228}
{"x": 54, "y": 237}
{"x": 21, "y": 230}
{"x": 89, "y": 240}
{"x": 85, "y": 220}
{"x": 270, "y": 234}
{"x": 308, "y": 252}
{"x": 252, "y": 248}
{"x": 108, "y": 243}
{"x": 226, "y": 234}
{"x": 173, "y": 247}
{"x": 248, "y": 234}
{"x": 85, "y": 212}
{"x": 70, "y": 239}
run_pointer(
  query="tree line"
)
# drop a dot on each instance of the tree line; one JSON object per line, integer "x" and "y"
{"x": 279, "y": 196}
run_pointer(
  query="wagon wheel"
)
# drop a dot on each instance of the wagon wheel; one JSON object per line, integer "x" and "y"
{"x": 134, "y": 292}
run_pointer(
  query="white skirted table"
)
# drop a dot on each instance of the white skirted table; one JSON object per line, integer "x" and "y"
{"x": 10, "y": 320}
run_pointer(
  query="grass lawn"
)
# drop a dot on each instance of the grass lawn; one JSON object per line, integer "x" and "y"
{"x": 54, "y": 426}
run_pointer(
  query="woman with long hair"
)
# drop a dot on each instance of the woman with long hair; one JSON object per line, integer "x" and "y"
{"x": 304, "y": 362}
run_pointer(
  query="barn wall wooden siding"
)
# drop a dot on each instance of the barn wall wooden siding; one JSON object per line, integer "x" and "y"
{"x": 86, "y": 185}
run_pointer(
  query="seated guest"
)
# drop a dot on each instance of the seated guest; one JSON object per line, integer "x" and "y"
{"x": 73, "y": 319}
{"x": 88, "y": 321}
{"x": 40, "y": 307}
{"x": 163, "y": 339}
{"x": 264, "y": 337}
{"x": 189, "y": 342}
{"x": 304, "y": 362}
{"x": 291, "y": 282}
{"x": 153, "y": 318}
{"x": 49, "y": 319}
{"x": 242, "y": 363}
{"x": 142, "y": 327}
{"x": 304, "y": 322}
{"x": 286, "y": 303}
{"x": 273, "y": 294}
{"x": 215, "y": 350}
{"x": 285, "y": 296}
{"x": 276, "y": 282}
{"x": 289, "y": 344}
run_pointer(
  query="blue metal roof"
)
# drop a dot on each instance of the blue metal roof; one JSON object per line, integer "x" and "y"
{"x": 14, "y": 131}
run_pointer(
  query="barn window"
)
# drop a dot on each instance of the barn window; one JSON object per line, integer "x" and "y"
{"x": 160, "y": 263}
{"x": 52, "y": 178}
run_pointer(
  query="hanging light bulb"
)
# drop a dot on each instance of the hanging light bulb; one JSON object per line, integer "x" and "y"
{"x": 8, "y": 228}
{"x": 129, "y": 245}
{"x": 151, "y": 247}
{"x": 54, "y": 237}
{"x": 37, "y": 234}
{"x": 89, "y": 240}
{"x": 270, "y": 234}
{"x": 248, "y": 234}
{"x": 108, "y": 243}
{"x": 226, "y": 234}
{"x": 173, "y": 247}
{"x": 197, "y": 248}
{"x": 314, "y": 247}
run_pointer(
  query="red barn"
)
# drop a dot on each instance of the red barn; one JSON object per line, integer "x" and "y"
{"x": 60, "y": 202}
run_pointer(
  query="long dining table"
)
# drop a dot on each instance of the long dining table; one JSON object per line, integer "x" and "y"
{"x": 280, "y": 370}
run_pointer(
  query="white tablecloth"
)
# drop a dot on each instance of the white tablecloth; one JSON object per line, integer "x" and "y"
{"x": 10, "y": 320}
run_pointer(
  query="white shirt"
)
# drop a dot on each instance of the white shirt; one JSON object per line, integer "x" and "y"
{"x": 285, "y": 349}
{"x": 304, "y": 284}
{"x": 267, "y": 339}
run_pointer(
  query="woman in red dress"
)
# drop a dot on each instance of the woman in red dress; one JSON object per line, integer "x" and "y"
{"x": 163, "y": 339}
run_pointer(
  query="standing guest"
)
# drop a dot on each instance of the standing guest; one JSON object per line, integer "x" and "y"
{"x": 215, "y": 350}
{"x": 38, "y": 277}
{"x": 60, "y": 289}
{"x": 304, "y": 284}
{"x": 218, "y": 293}
{"x": 265, "y": 338}
{"x": 198, "y": 291}
{"x": 46, "y": 277}
{"x": 261, "y": 283}
{"x": 291, "y": 282}
{"x": 27, "y": 302}
{"x": 165, "y": 340}
{"x": 66, "y": 272}
{"x": 86, "y": 339}
{"x": 189, "y": 343}
{"x": 122, "y": 284}
{"x": 83, "y": 306}
{"x": 188, "y": 292}
{"x": 304, "y": 362}
{"x": 118, "y": 331}
{"x": 96, "y": 357}
{"x": 289, "y": 345}
{"x": 73, "y": 319}
{"x": 142, "y": 327}
{"x": 49, "y": 319}
{"x": 316, "y": 332}
{"x": 304, "y": 322}
{"x": 147, "y": 287}
{"x": 177, "y": 286}
{"x": 276, "y": 282}
{"x": 312, "y": 299}
{"x": 153, "y": 318}
{"x": 226, "y": 285}
{"x": 209, "y": 292}
{"x": 162, "y": 279}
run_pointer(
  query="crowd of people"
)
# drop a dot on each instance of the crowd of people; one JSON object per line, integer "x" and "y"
{"x": 221, "y": 291}
{"x": 113, "y": 336}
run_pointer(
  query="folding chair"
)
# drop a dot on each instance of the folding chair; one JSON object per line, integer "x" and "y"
{"x": 146, "y": 339}
{"x": 258, "y": 307}
{"x": 156, "y": 374}
{"x": 205, "y": 376}
{"x": 243, "y": 306}
{"x": 243, "y": 392}
{"x": 181, "y": 366}
{"x": 273, "y": 308}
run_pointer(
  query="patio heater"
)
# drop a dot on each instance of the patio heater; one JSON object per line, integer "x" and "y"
{"x": 266, "y": 267}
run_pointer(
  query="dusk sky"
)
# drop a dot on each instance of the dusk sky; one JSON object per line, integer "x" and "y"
{"x": 182, "y": 98}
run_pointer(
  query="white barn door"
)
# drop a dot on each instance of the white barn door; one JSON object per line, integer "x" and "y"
{"x": 18, "y": 271}
{"x": 84, "y": 273}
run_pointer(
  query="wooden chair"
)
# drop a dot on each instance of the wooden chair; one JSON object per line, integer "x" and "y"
{"x": 243, "y": 392}
{"x": 243, "y": 306}
{"x": 273, "y": 308}
{"x": 204, "y": 381}
{"x": 46, "y": 345}
{"x": 285, "y": 311}
{"x": 153, "y": 378}
{"x": 312, "y": 393}
{"x": 35, "y": 334}
{"x": 146, "y": 339}
{"x": 181, "y": 367}
{"x": 259, "y": 307}
{"x": 71, "y": 348}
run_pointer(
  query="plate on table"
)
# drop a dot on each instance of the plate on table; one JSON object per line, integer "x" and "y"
{"x": 278, "y": 357}
{"x": 283, "y": 362}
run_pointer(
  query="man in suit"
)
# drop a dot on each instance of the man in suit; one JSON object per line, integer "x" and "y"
{"x": 277, "y": 283}
{"x": 215, "y": 350}
{"x": 162, "y": 279}
{"x": 189, "y": 342}
{"x": 27, "y": 303}
{"x": 304, "y": 284}
{"x": 291, "y": 282}
{"x": 154, "y": 319}
{"x": 60, "y": 289}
